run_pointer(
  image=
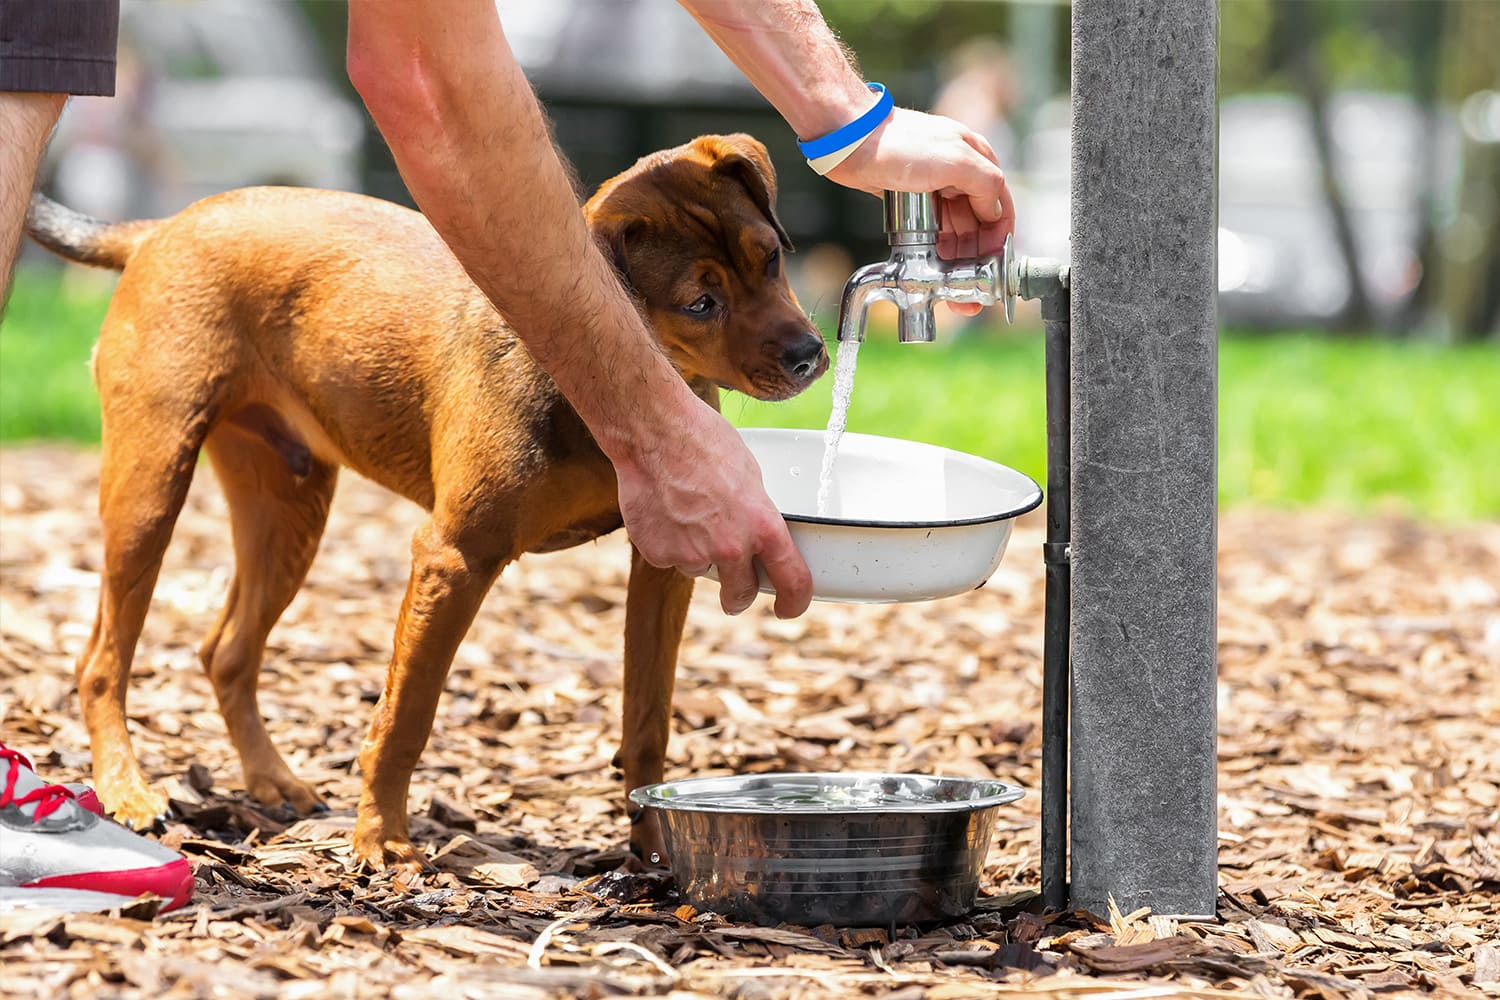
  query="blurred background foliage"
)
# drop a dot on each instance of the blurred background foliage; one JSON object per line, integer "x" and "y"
{"x": 1380, "y": 44}
{"x": 1434, "y": 64}
{"x": 1359, "y": 249}
{"x": 1443, "y": 56}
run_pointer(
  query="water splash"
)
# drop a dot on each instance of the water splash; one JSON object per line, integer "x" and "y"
{"x": 843, "y": 388}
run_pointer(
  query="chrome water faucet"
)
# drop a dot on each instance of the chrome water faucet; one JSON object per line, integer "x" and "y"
{"x": 915, "y": 278}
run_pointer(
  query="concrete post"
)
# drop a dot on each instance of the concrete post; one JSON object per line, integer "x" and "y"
{"x": 1144, "y": 400}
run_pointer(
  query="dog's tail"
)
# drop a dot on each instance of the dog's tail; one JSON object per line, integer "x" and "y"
{"x": 78, "y": 237}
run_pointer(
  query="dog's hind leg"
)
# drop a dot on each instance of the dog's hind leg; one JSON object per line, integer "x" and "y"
{"x": 277, "y": 513}
{"x": 146, "y": 467}
{"x": 655, "y": 609}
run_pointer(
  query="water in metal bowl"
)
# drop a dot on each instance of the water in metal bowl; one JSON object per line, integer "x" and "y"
{"x": 856, "y": 849}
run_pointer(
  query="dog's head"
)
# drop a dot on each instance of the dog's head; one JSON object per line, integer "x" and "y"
{"x": 694, "y": 234}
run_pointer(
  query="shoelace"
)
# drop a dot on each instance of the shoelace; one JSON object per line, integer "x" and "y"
{"x": 48, "y": 798}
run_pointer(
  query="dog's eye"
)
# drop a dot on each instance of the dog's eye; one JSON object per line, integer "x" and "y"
{"x": 701, "y": 306}
{"x": 773, "y": 265}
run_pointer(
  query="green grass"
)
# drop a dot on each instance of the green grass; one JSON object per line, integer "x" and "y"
{"x": 46, "y": 338}
{"x": 1308, "y": 421}
{"x": 1303, "y": 420}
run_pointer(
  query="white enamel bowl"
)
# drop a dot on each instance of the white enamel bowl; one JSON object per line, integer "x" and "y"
{"x": 906, "y": 521}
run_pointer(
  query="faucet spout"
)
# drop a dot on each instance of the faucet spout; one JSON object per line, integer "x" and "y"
{"x": 865, "y": 286}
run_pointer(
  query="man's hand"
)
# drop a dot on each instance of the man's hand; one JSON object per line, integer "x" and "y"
{"x": 913, "y": 151}
{"x": 673, "y": 500}
{"x": 786, "y": 49}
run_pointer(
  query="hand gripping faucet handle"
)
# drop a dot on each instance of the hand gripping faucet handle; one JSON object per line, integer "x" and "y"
{"x": 915, "y": 218}
{"x": 914, "y": 277}
{"x": 911, "y": 218}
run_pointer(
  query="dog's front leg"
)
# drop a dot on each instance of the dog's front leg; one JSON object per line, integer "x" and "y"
{"x": 448, "y": 582}
{"x": 655, "y": 609}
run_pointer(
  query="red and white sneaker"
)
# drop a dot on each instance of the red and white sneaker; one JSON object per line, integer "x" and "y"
{"x": 86, "y": 797}
{"x": 57, "y": 853}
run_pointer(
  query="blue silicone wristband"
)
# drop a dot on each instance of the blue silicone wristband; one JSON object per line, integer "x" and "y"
{"x": 854, "y": 131}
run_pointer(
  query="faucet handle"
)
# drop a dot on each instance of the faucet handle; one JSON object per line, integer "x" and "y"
{"x": 911, "y": 217}
{"x": 1010, "y": 277}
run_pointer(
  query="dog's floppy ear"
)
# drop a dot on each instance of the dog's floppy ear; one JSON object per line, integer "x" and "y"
{"x": 613, "y": 233}
{"x": 743, "y": 157}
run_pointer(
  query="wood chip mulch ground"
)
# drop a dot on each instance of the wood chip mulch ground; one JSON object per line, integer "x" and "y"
{"x": 1359, "y": 773}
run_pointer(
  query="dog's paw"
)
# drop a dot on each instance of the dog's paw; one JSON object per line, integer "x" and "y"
{"x": 636, "y": 863}
{"x": 139, "y": 808}
{"x": 379, "y": 853}
{"x": 283, "y": 790}
{"x": 649, "y": 853}
{"x": 646, "y": 840}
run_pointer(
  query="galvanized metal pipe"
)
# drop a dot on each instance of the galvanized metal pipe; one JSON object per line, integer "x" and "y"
{"x": 1055, "y": 659}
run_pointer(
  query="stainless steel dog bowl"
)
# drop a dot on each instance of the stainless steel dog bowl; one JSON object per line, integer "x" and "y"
{"x": 863, "y": 850}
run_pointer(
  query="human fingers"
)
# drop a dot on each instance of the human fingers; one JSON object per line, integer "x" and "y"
{"x": 738, "y": 584}
{"x": 958, "y": 240}
{"x": 981, "y": 144}
{"x": 987, "y": 196}
{"x": 947, "y": 244}
{"x": 959, "y": 221}
{"x": 992, "y": 232}
{"x": 982, "y": 180}
{"x": 992, "y": 238}
{"x": 651, "y": 549}
{"x": 788, "y": 573}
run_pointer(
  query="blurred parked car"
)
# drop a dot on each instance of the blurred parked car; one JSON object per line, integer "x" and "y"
{"x": 1279, "y": 258}
{"x": 210, "y": 96}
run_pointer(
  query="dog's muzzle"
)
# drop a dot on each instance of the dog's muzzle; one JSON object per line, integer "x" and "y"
{"x": 801, "y": 359}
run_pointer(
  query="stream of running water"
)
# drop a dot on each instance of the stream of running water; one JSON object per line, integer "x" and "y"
{"x": 843, "y": 388}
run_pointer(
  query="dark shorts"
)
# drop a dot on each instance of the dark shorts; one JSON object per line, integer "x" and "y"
{"x": 59, "y": 46}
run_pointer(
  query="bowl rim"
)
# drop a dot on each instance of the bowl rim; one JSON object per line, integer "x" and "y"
{"x": 1032, "y": 502}
{"x": 649, "y": 795}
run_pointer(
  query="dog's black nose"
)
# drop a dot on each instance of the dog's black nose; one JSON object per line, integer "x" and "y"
{"x": 801, "y": 359}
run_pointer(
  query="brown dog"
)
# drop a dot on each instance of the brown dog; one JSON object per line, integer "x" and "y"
{"x": 290, "y": 332}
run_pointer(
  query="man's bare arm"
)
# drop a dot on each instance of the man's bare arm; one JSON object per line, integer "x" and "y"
{"x": 787, "y": 50}
{"x": 472, "y": 145}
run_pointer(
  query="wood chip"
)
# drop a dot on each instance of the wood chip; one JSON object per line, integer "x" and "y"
{"x": 480, "y": 864}
{"x": 1487, "y": 965}
{"x": 1135, "y": 957}
{"x": 1359, "y": 788}
{"x": 470, "y": 941}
